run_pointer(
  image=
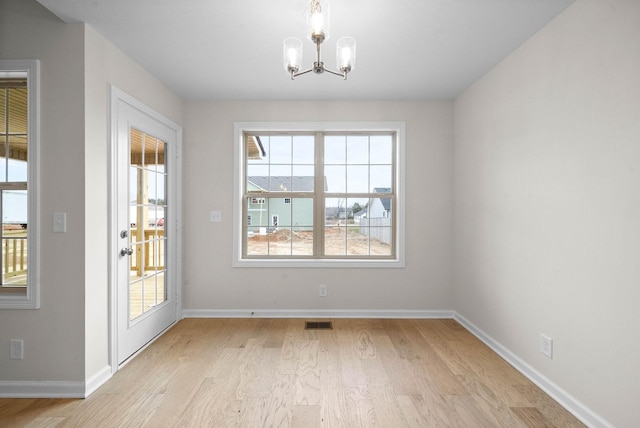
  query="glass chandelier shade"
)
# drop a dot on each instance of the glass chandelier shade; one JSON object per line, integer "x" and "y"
{"x": 318, "y": 21}
{"x": 292, "y": 54}
{"x": 346, "y": 53}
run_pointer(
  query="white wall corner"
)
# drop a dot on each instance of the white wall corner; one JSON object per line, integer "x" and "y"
{"x": 97, "y": 380}
{"x": 566, "y": 400}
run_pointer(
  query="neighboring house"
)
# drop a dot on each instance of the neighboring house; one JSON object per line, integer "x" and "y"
{"x": 266, "y": 214}
{"x": 380, "y": 207}
{"x": 333, "y": 213}
{"x": 344, "y": 213}
{"x": 357, "y": 216}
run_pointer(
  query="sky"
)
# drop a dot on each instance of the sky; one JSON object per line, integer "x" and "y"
{"x": 14, "y": 202}
{"x": 352, "y": 164}
{"x": 156, "y": 190}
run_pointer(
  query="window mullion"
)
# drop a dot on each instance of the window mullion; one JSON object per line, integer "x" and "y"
{"x": 318, "y": 191}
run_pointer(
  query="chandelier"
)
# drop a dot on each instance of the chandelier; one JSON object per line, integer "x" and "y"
{"x": 318, "y": 31}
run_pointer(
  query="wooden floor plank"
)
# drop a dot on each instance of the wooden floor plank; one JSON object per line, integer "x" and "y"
{"x": 552, "y": 411}
{"x": 431, "y": 404}
{"x": 304, "y": 417}
{"x": 470, "y": 414}
{"x": 307, "y": 383}
{"x": 402, "y": 344}
{"x": 276, "y": 331}
{"x": 257, "y": 372}
{"x": 350, "y": 362}
{"x": 46, "y": 422}
{"x": 280, "y": 410}
{"x": 531, "y": 417}
{"x": 393, "y": 371}
{"x": 489, "y": 400}
{"x": 411, "y": 413}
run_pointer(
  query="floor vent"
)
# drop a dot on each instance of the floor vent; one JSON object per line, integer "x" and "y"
{"x": 318, "y": 325}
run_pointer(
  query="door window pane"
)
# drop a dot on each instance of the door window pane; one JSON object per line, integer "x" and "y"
{"x": 147, "y": 195}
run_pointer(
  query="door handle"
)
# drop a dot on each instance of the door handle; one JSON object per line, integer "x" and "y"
{"x": 126, "y": 252}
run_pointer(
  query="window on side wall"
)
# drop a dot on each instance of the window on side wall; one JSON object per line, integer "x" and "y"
{"x": 19, "y": 287}
{"x": 325, "y": 195}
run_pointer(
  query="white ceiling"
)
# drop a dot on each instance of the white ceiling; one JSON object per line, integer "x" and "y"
{"x": 232, "y": 50}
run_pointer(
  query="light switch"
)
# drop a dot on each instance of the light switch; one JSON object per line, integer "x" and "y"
{"x": 59, "y": 222}
{"x": 215, "y": 216}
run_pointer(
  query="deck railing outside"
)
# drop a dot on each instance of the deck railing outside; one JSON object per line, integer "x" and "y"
{"x": 153, "y": 248}
{"x": 14, "y": 258}
{"x": 14, "y": 255}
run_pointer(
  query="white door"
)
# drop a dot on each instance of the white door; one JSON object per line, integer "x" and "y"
{"x": 145, "y": 177}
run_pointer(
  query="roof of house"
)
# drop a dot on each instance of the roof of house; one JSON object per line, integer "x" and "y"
{"x": 284, "y": 183}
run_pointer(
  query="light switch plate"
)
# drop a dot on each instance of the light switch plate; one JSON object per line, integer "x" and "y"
{"x": 215, "y": 216}
{"x": 59, "y": 222}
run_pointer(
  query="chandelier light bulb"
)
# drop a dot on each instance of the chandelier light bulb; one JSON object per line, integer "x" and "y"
{"x": 346, "y": 53}
{"x": 317, "y": 26}
{"x": 293, "y": 57}
{"x": 318, "y": 21}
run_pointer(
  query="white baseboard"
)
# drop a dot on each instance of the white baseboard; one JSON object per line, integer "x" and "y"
{"x": 315, "y": 313}
{"x": 54, "y": 389}
{"x": 566, "y": 400}
{"x": 47, "y": 389}
{"x": 97, "y": 380}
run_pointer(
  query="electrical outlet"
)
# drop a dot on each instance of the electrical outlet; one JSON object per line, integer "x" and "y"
{"x": 546, "y": 345}
{"x": 323, "y": 290}
{"x": 17, "y": 349}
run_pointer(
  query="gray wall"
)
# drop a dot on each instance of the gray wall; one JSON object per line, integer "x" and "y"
{"x": 28, "y": 31}
{"x": 211, "y": 283}
{"x": 547, "y": 204}
{"x": 66, "y": 339}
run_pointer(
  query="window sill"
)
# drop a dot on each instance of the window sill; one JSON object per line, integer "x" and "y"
{"x": 319, "y": 263}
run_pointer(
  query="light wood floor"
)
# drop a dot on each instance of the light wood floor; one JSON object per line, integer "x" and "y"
{"x": 273, "y": 373}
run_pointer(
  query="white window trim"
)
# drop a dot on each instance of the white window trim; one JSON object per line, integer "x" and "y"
{"x": 238, "y": 157}
{"x": 30, "y": 299}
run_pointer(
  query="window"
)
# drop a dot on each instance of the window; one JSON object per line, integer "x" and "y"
{"x": 18, "y": 177}
{"x": 330, "y": 195}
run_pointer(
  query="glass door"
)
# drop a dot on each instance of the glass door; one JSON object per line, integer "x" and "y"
{"x": 145, "y": 249}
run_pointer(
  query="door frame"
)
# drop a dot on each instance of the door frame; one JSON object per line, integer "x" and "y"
{"x": 118, "y": 96}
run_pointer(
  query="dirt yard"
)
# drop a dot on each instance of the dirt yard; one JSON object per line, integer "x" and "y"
{"x": 339, "y": 241}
